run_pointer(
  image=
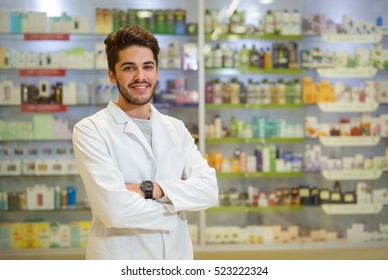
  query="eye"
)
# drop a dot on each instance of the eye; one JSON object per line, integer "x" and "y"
{"x": 148, "y": 67}
{"x": 128, "y": 68}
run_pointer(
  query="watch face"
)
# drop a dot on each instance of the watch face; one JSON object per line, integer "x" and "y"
{"x": 147, "y": 186}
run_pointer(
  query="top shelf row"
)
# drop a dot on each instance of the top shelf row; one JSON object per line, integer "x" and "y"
{"x": 329, "y": 38}
{"x": 290, "y": 24}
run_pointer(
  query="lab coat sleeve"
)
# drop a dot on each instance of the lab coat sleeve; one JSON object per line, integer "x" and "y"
{"x": 114, "y": 205}
{"x": 197, "y": 189}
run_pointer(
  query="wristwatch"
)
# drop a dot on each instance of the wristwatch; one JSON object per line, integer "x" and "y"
{"x": 148, "y": 188}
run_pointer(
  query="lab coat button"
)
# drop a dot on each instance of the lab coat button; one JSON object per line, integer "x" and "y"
{"x": 151, "y": 161}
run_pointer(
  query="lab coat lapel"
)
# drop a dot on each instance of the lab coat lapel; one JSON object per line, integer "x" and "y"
{"x": 130, "y": 127}
{"x": 161, "y": 133}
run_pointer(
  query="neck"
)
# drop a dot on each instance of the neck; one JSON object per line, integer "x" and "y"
{"x": 136, "y": 111}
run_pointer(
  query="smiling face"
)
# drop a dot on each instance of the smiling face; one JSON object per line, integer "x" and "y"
{"x": 136, "y": 75}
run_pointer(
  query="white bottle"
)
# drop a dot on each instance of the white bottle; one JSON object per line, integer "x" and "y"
{"x": 286, "y": 23}
{"x": 218, "y": 126}
{"x": 228, "y": 56}
{"x": 296, "y": 25}
{"x": 278, "y": 17}
{"x": 218, "y": 54}
{"x": 269, "y": 23}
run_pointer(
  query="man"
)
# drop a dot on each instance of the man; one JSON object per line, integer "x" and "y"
{"x": 141, "y": 169}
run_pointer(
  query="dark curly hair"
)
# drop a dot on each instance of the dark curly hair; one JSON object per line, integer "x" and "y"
{"x": 127, "y": 36}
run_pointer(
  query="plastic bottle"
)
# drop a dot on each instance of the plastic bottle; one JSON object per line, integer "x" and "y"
{"x": 289, "y": 92}
{"x": 286, "y": 23}
{"x": 218, "y": 126}
{"x": 261, "y": 58}
{"x": 228, "y": 56}
{"x": 236, "y": 59}
{"x": 257, "y": 92}
{"x": 297, "y": 92}
{"x": 57, "y": 198}
{"x": 234, "y": 91}
{"x": 233, "y": 127}
{"x": 281, "y": 91}
{"x": 217, "y": 92}
{"x": 255, "y": 126}
{"x": 269, "y": 22}
{"x": 244, "y": 58}
{"x": 250, "y": 92}
{"x": 265, "y": 93}
{"x": 254, "y": 57}
{"x": 218, "y": 55}
{"x": 273, "y": 93}
{"x": 296, "y": 24}
{"x": 267, "y": 59}
{"x": 277, "y": 21}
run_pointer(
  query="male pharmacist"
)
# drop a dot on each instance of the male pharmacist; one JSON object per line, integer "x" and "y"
{"x": 141, "y": 169}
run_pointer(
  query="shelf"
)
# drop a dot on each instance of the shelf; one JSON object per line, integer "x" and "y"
{"x": 175, "y": 105}
{"x": 338, "y": 107}
{"x": 253, "y": 71}
{"x": 352, "y": 209}
{"x": 73, "y": 209}
{"x": 340, "y": 244}
{"x": 34, "y": 140}
{"x": 349, "y": 141}
{"x": 258, "y": 174}
{"x": 361, "y": 72}
{"x": 252, "y": 106}
{"x": 353, "y": 175}
{"x": 252, "y": 209}
{"x": 253, "y": 140}
{"x": 264, "y": 37}
{"x": 38, "y": 253}
{"x": 64, "y": 36}
{"x": 156, "y": 104}
{"x": 350, "y": 38}
{"x": 37, "y": 176}
{"x": 296, "y": 250}
{"x": 62, "y": 72}
{"x": 43, "y": 108}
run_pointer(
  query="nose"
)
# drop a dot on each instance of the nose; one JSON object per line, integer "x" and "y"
{"x": 139, "y": 75}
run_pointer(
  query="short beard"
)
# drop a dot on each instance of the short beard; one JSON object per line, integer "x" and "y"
{"x": 124, "y": 92}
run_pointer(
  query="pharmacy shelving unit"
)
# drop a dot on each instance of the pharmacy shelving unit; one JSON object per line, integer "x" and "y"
{"x": 328, "y": 216}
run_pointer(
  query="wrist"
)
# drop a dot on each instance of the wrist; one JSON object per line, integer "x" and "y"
{"x": 148, "y": 189}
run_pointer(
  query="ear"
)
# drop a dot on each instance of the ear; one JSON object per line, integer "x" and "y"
{"x": 112, "y": 77}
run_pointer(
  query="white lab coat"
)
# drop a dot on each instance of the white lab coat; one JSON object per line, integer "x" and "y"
{"x": 110, "y": 151}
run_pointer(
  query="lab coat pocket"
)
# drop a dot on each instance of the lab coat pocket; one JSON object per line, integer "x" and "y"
{"x": 171, "y": 165}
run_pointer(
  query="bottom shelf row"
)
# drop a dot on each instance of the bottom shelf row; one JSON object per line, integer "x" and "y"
{"x": 45, "y": 235}
{"x": 310, "y": 251}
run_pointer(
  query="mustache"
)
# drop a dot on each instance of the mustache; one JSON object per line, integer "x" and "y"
{"x": 139, "y": 82}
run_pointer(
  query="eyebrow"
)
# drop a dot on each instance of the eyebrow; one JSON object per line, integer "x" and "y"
{"x": 132, "y": 63}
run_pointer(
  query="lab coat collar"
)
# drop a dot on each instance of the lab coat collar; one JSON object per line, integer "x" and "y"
{"x": 161, "y": 129}
{"x": 118, "y": 114}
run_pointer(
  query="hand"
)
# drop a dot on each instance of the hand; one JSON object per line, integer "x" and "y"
{"x": 157, "y": 193}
